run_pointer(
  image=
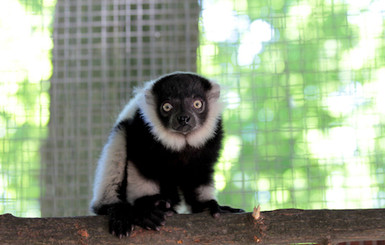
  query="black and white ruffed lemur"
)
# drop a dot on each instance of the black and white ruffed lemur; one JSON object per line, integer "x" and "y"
{"x": 162, "y": 149}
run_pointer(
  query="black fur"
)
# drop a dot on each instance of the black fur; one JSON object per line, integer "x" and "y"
{"x": 186, "y": 169}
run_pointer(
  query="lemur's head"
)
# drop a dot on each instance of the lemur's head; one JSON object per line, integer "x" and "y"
{"x": 182, "y": 106}
{"x": 181, "y": 101}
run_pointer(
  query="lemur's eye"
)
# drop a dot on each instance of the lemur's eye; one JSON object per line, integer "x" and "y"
{"x": 198, "y": 104}
{"x": 167, "y": 107}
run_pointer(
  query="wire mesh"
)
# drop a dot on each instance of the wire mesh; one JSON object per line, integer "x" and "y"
{"x": 304, "y": 88}
{"x": 102, "y": 49}
{"x": 25, "y": 68}
{"x": 303, "y": 81}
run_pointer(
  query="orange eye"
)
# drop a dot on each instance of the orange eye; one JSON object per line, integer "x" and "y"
{"x": 198, "y": 104}
{"x": 167, "y": 107}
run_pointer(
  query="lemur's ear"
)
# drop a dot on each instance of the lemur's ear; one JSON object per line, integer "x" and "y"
{"x": 148, "y": 95}
{"x": 215, "y": 92}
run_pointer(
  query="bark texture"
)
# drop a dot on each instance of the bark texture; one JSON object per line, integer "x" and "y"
{"x": 273, "y": 227}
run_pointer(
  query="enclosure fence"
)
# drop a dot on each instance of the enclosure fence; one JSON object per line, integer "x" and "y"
{"x": 303, "y": 82}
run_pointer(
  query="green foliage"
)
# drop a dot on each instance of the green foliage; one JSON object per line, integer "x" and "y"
{"x": 24, "y": 104}
{"x": 304, "y": 85}
{"x": 302, "y": 102}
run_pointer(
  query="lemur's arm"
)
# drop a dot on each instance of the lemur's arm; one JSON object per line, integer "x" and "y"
{"x": 110, "y": 173}
{"x": 122, "y": 193}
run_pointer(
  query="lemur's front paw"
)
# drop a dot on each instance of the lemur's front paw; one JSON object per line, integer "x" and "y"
{"x": 150, "y": 212}
{"x": 225, "y": 209}
{"x": 120, "y": 219}
{"x": 215, "y": 209}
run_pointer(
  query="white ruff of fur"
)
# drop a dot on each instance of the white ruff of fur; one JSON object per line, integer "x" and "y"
{"x": 200, "y": 136}
{"x": 176, "y": 141}
{"x": 129, "y": 110}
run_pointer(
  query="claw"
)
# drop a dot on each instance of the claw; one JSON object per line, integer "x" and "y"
{"x": 168, "y": 205}
{"x": 169, "y": 213}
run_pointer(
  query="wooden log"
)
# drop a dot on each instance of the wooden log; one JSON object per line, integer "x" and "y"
{"x": 272, "y": 227}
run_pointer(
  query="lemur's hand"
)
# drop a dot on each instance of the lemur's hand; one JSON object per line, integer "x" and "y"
{"x": 120, "y": 219}
{"x": 215, "y": 209}
{"x": 150, "y": 212}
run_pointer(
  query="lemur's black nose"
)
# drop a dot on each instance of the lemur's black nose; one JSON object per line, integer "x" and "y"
{"x": 183, "y": 120}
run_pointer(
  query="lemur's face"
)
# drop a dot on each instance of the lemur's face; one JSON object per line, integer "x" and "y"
{"x": 183, "y": 115}
{"x": 182, "y": 102}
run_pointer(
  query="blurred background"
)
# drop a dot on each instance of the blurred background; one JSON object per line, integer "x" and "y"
{"x": 304, "y": 84}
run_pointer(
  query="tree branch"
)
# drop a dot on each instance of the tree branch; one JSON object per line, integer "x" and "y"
{"x": 278, "y": 227}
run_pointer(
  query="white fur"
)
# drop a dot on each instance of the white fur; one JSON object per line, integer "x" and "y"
{"x": 129, "y": 110}
{"x": 171, "y": 140}
{"x": 139, "y": 186}
{"x": 206, "y": 131}
{"x": 182, "y": 207}
{"x": 205, "y": 192}
{"x": 110, "y": 170}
